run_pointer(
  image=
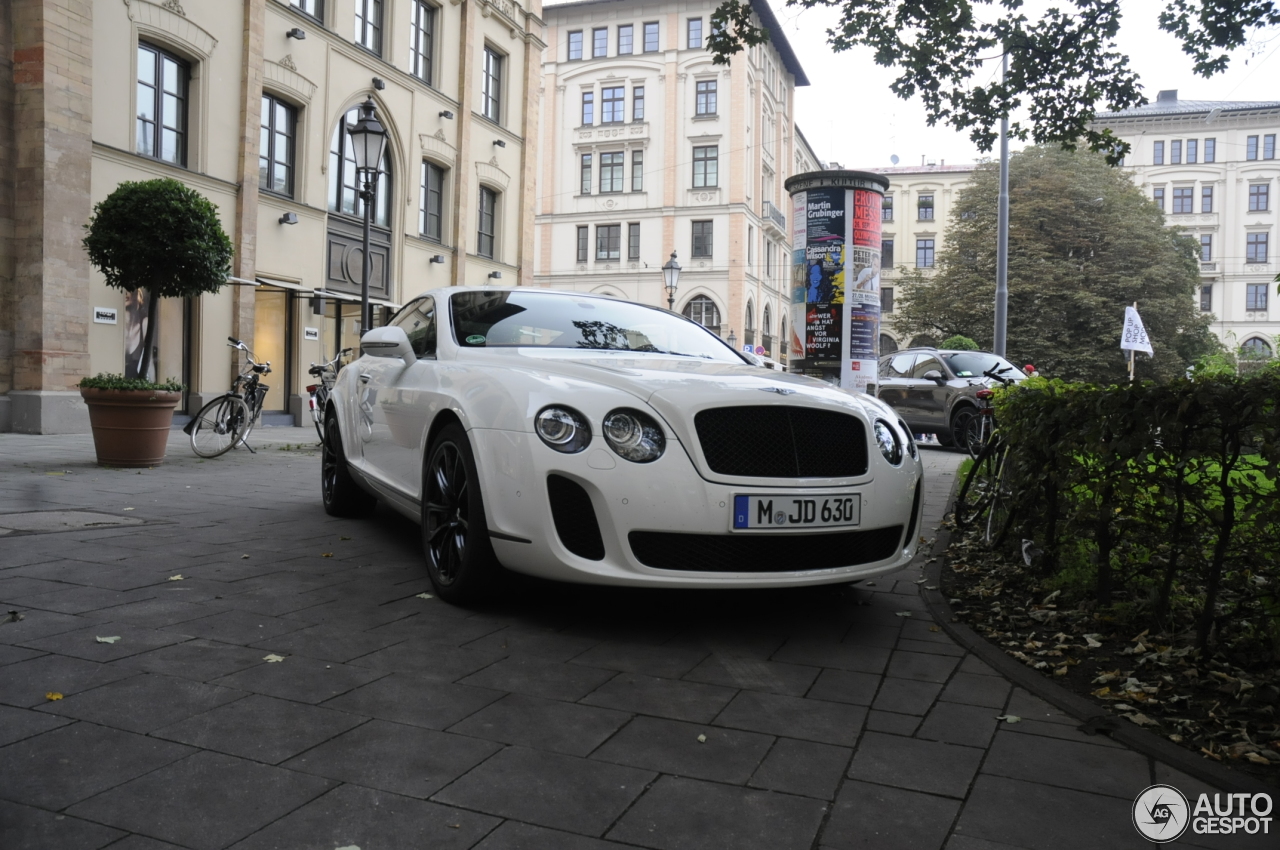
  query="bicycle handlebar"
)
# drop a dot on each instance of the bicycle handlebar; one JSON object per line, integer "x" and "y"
{"x": 998, "y": 375}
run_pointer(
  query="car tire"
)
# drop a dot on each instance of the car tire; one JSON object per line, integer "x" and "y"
{"x": 341, "y": 494}
{"x": 960, "y": 419}
{"x": 455, "y": 537}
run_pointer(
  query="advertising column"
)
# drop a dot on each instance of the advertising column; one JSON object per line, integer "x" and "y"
{"x": 835, "y": 281}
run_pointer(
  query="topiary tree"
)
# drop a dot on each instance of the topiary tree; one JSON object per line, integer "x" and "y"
{"x": 959, "y": 343}
{"x": 161, "y": 236}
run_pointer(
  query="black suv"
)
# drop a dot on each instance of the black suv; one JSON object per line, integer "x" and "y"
{"x": 935, "y": 390}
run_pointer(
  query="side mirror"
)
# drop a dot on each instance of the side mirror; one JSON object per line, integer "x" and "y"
{"x": 388, "y": 342}
{"x": 935, "y": 376}
{"x": 754, "y": 360}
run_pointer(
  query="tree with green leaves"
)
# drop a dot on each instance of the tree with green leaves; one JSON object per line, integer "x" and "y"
{"x": 1084, "y": 242}
{"x": 1062, "y": 66}
{"x": 162, "y": 237}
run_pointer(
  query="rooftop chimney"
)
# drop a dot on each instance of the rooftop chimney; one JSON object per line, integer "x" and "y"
{"x": 1167, "y": 96}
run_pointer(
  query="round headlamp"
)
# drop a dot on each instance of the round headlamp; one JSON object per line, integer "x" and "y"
{"x": 635, "y": 436}
{"x": 887, "y": 440}
{"x": 563, "y": 429}
{"x": 911, "y": 438}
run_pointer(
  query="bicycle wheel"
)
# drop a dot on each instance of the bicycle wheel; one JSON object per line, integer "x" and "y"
{"x": 219, "y": 426}
{"x": 1000, "y": 515}
{"x": 979, "y": 487}
{"x": 976, "y": 435}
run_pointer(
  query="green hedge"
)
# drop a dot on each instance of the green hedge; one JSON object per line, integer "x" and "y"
{"x": 1160, "y": 497}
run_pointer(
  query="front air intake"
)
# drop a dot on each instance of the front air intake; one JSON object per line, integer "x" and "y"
{"x": 575, "y": 518}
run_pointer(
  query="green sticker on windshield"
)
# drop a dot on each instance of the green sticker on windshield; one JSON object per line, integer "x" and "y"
{"x": 475, "y": 339}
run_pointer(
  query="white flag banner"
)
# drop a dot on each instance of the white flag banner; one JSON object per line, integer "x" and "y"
{"x": 1134, "y": 337}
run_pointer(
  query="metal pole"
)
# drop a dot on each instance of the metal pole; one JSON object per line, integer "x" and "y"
{"x": 367, "y": 197}
{"x": 671, "y": 301}
{"x": 1002, "y": 231}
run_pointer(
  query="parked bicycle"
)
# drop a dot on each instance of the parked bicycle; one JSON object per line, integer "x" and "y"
{"x": 227, "y": 421}
{"x": 319, "y": 393}
{"x": 985, "y": 499}
{"x": 982, "y": 425}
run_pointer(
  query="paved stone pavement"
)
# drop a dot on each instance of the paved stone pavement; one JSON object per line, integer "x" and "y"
{"x": 560, "y": 717}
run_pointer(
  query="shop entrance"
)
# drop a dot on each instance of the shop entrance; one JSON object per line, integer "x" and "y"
{"x": 273, "y": 334}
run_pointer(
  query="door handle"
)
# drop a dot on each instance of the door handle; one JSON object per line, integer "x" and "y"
{"x": 364, "y": 379}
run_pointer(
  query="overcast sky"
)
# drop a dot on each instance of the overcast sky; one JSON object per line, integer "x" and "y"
{"x": 849, "y": 115}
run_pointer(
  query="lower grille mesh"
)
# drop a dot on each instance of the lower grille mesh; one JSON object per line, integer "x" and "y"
{"x": 776, "y": 441}
{"x": 575, "y": 518}
{"x": 762, "y": 553}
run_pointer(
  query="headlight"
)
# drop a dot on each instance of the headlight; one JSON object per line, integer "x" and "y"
{"x": 887, "y": 439}
{"x": 911, "y": 438}
{"x": 563, "y": 429}
{"x": 634, "y": 436}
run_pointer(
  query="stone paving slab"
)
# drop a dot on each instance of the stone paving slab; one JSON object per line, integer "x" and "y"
{"x": 558, "y": 717}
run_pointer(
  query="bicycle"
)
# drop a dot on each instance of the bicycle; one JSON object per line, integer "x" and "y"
{"x": 982, "y": 425}
{"x": 319, "y": 393}
{"x": 227, "y": 421}
{"x": 985, "y": 497}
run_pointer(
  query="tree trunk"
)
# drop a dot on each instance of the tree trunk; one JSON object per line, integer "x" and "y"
{"x": 148, "y": 345}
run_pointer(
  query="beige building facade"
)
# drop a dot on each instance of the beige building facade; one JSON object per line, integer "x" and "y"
{"x": 648, "y": 148}
{"x": 244, "y": 101}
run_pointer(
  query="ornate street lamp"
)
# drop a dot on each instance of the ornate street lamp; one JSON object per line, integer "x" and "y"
{"x": 671, "y": 278}
{"x": 368, "y": 144}
{"x": 733, "y": 340}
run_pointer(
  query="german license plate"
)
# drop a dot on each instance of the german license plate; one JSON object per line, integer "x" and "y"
{"x": 829, "y": 511}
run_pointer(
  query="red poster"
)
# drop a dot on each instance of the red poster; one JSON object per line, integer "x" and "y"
{"x": 866, "y": 218}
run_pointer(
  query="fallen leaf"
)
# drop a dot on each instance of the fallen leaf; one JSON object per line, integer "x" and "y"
{"x": 178, "y": 577}
{"x": 702, "y": 739}
{"x": 1092, "y": 644}
{"x": 55, "y": 473}
{"x": 930, "y": 587}
{"x": 272, "y": 658}
{"x": 244, "y": 557}
{"x": 326, "y": 554}
{"x": 15, "y": 616}
{"x": 344, "y": 538}
{"x": 454, "y": 826}
{"x": 424, "y": 596}
{"x": 1009, "y": 718}
{"x": 902, "y": 613}
{"x": 53, "y": 695}
{"x": 869, "y": 584}
{"x": 935, "y": 628}
{"x": 107, "y": 639}
{"x": 1257, "y": 759}
{"x": 348, "y": 847}
{"x": 1141, "y": 719}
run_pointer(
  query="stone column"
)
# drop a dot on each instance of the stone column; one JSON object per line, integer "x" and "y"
{"x": 52, "y": 55}
{"x": 8, "y": 155}
{"x": 464, "y": 204}
{"x": 532, "y": 72}
{"x": 246, "y": 231}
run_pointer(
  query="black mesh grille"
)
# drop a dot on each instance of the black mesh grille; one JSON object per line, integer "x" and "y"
{"x": 915, "y": 510}
{"x": 770, "y": 441}
{"x": 762, "y": 553}
{"x": 575, "y": 518}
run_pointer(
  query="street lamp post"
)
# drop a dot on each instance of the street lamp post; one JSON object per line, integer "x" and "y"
{"x": 733, "y": 340}
{"x": 671, "y": 278}
{"x": 1002, "y": 232}
{"x": 368, "y": 143}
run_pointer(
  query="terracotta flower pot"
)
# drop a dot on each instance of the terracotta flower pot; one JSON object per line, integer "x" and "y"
{"x": 130, "y": 427}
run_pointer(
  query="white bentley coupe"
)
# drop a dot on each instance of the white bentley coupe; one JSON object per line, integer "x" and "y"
{"x": 587, "y": 439}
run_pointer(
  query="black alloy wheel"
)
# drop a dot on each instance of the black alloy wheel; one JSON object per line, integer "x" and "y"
{"x": 455, "y": 536}
{"x": 341, "y": 494}
{"x": 960, "y": 420}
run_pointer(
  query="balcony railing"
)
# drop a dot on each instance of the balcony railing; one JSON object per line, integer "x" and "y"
{"x": 775, "y": 215}
{"x": 1209, "y": 267}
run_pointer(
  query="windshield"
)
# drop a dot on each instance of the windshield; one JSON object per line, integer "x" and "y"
{"x": 971, "y": 364}
{"x": 503, "y": 319}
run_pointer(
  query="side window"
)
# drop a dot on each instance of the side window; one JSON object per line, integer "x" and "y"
{"x": 419, "y": 323}
{"x": 900, "y": 366}
{"x": 927, "y": 364}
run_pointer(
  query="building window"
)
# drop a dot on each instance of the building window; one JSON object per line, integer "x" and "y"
{"x": 1255, "y": 348}
{"x": 1206, "y": 199}
{"x": 588, "y": 108}
{"x": 575, "y": 45}
{"x": 314, "y": 8}
{"x": 1157, "y": 195}
{"x": 1269, "y": 146}
{"x": 1259, "y": 197}
{"x": 431, "y": 202}
{"x": 633, "y": 241}
{"x": 924, "y": 253}
{"x": 1206, "y": 298}
{"x": 886, "y": 208}
{"x": 751, "y": 246}
{"x": 422, "y": 40}
{"x": 344, "y": 184}
{"x": 612, "y": 166}
{"x": 586, "y": 174}
{"x": 1157, "y": 153}
{"x": 624, "y": 39}
{"x": 1182, "y": 200}
{"x": 886, "y": 299}
{"x": 703, "y": 311}
{"x": 924, "y": 208}
{"x": 1251, "y": 148}
{"x": 1192, "y": 151}
{"x": 486, "y": 226}
{"x": 613, "y": 105}
{"x": 886, "y": 253}
{"x": 582, "y": 243}
{"x": 694, "y": 39}
{"x": 608, "y": 241}
{"x": 1255, "y": 248}
{"x": 162, "y": 105}
{"x": 275, "y": 146}
{"x": 637, "y": 171}
{"x": 491, "y": 86}
{"x": 706, "y": 166}
{"x": 637, "y": 103}
{"x": 369, "y": 25}
{"x": 706, "y": 97}
{"x": 1210, "y": 150}
{"x": 1175, "y": 152}
{"x": 1206, "y": 247}
{"x": 701, "y": 239}
{"x": 600, "y": 42}
{"x": 651, "y": 37}
{"x": 1255, "y": 297}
